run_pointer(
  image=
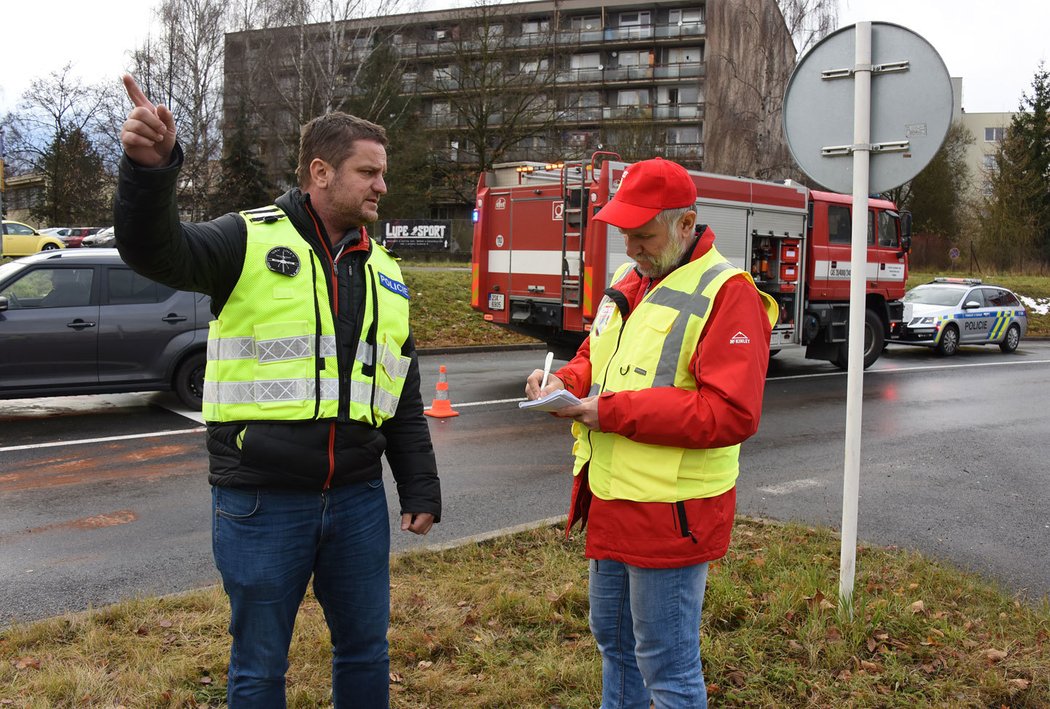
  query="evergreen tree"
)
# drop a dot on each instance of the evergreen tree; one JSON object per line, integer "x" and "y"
{"x": 1030, "y": 130}
{"x": 377, "y": 98}
{"x": 1013, "y": 218}
{"x": 1008, "y": 225}
{"x": 244, "y": 184}
{"x": 935, "y": 195}
{"x": 78, "y": 189}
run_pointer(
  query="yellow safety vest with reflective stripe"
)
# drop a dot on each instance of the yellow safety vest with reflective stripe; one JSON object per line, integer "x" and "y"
{"x": 272, "y": 351}
{"x": 653, "y": 348}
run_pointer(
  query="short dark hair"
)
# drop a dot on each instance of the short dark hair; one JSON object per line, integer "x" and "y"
{"x": 331, "y": 138}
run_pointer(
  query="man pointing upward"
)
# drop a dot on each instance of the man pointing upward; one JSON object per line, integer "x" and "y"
{"x": 312, "y": 376}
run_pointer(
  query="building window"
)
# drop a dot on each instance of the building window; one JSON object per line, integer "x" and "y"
{"x": 586, "y": 23}
{"x": 634, "y": 19}
{"x": 535, "y": 26}
{"x": 685, "y": 15}
{"x": 632, "y": 97}
{"x": 994, "y": 135}
{"x": 685, "y": 135}
{"x": 684, "y": 55}
{"x": 632, "y": 58}
{"x": 585, "y": 61}
{"x": 534, "y": 65}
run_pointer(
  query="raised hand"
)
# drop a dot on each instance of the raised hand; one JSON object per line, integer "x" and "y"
{"x": 148, "y": 134}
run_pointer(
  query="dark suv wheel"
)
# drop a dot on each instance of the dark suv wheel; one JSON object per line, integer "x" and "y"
{"x": 189, "y": 381}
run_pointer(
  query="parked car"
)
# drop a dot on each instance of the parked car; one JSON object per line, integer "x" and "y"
{"x": 80, "y": 321}
{"x": 21, "y": 240}
{"x": 103, "y": 238}
{"x": 949, "y": 312}
{"x": 75, "y": 235}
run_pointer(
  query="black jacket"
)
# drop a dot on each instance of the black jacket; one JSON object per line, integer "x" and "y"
{"x": 208, "y": 257}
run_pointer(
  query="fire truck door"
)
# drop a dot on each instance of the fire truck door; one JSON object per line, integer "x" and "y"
{"x": 884, "y": 248}
{"x": 535, "y": 247}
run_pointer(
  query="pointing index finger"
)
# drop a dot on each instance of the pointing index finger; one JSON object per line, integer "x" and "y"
{"x": 135, "y": 93}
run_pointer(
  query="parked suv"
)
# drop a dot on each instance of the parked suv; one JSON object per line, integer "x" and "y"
{"x": 80, "y": 321}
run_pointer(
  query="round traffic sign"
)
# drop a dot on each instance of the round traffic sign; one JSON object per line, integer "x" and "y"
{"x": 911, "y": 107}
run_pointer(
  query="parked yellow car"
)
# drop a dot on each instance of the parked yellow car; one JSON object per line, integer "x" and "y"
{"x": 21, "y": 240}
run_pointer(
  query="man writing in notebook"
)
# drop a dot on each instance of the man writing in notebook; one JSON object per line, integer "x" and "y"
{"x": 671, "y": 380}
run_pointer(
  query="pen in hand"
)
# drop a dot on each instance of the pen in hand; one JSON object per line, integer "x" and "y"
{"x": 546, "y": 370}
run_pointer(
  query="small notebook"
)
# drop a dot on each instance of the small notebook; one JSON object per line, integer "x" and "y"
{"x": 557, "y": 399}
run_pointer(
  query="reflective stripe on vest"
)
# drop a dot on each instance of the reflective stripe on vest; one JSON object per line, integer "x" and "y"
{"x": 272, "y": 352}
{"x": 654, "y": 348}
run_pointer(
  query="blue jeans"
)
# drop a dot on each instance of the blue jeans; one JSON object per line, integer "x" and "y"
{"x": 267, "y": 544}
{"x": 647, "y": 626}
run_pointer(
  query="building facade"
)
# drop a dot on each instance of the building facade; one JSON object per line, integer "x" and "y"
{"x": 988, "y": 130}
{"x": 698, "y": 82}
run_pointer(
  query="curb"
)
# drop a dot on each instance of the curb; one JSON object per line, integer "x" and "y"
{"x": 478, "y": 349}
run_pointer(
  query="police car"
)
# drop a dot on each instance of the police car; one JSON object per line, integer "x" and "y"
{"x": 949, "y": 312}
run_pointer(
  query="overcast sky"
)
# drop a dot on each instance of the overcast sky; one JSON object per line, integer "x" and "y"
{"x": 995, "y": 47}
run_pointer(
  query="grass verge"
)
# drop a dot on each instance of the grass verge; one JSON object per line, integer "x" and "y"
{"x": 442, "y": 317}
{"x": 504, "y": 624}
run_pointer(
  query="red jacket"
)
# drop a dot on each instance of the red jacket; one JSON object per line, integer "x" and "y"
{"x": 725, "y": 410}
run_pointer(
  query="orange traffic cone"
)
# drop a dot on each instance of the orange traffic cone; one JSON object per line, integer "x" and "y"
{"x": 440, "y": 407}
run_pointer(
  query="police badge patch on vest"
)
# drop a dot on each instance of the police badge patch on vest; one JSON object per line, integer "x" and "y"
{"x": 393, "y": 286}
{"x": 282, "y": 260}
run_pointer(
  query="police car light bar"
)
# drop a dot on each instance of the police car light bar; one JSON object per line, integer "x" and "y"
{"x": 963, "y": 281}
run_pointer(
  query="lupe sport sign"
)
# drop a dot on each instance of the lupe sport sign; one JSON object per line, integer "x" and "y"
{"x": 421, "y": 234}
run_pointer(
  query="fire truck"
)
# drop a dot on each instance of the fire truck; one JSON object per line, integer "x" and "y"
{"x": 541, "y": 263}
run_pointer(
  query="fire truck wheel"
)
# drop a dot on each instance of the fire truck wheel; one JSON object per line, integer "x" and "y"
{"x": 874, "y": 341}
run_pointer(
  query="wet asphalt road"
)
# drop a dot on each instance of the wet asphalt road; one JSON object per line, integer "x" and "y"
{"x": 105, "y": 497}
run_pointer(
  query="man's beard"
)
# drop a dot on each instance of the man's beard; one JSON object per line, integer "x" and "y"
{"x": 667, "y": 260}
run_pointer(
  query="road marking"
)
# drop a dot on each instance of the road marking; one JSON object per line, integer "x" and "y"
{"x": 917, "y": 368}
{"x": 128, "y": 437}
{"x": 791, "y": 486}
{"x": 491, "y": 401}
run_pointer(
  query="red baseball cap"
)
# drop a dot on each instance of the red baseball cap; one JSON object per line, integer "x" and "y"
{"x": 646, "y": 189}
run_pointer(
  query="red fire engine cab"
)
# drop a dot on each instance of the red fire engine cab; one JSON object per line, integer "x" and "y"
{"x": 541, "y": 263}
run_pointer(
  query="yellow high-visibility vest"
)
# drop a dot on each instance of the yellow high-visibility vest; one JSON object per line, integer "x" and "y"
{"x": 272, "y": 351}
{"x": 653, "y": 348}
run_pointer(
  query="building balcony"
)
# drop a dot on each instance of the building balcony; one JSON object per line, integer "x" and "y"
{"x": 686, "y": 30}
{"x": 678, "y": 112}
{"x": 684, "y": 152}
{"x": 690, "y": 70}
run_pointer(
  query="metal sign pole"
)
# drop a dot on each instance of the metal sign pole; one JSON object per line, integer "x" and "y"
{"x": 907, "y": 109}
{"x": 858, "y": 275}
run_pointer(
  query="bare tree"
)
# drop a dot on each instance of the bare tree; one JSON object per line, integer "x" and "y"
{"x": 55, "y": 132}
{"x": 183, "y": 69}
{"x": 491, "y": 95}
{"x": 809, "y": 21}
{"x": 308, "y": 63}
{"x": 746, "y": 82}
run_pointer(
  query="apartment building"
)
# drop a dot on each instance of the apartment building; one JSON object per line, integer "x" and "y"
{"x": 700, "y": 82}
{"x": 988, "y": 130}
